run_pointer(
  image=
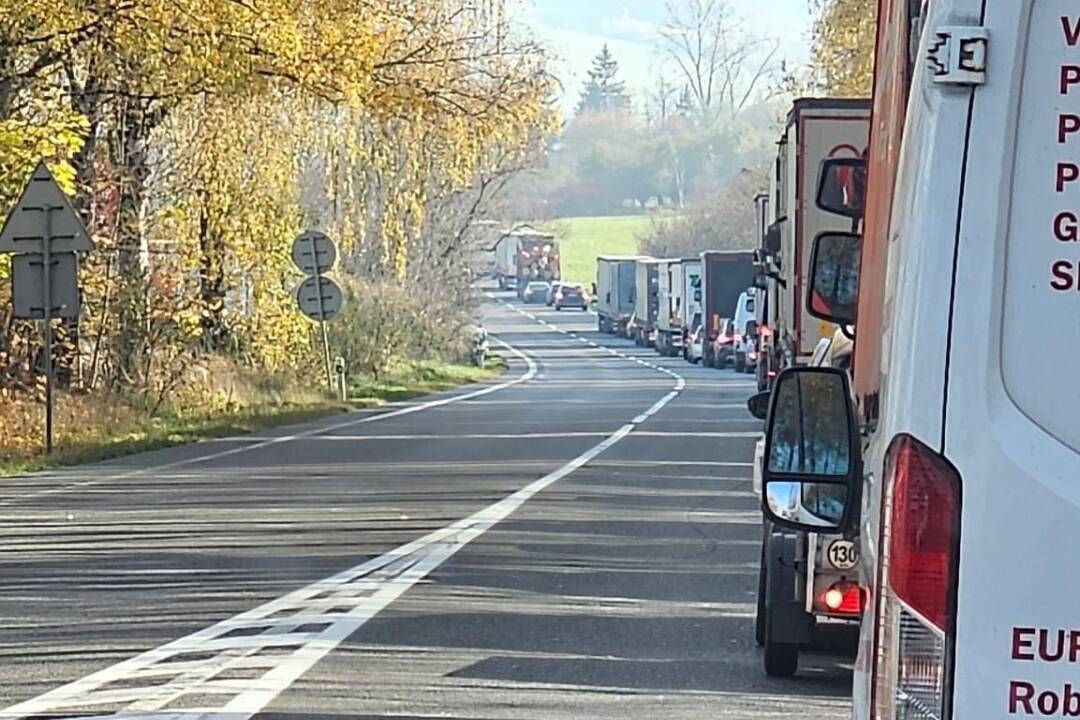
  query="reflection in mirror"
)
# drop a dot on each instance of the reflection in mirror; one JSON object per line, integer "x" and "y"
{"x": 810, "y": 428}
{"x": 842, "y": 186}
{"x": 788, "y": 500}
{"x": 834, "y": 277}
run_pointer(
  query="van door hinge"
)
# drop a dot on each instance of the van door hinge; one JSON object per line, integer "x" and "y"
{"x": 957, "y": 55}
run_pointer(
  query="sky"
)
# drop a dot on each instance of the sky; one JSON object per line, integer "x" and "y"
{"x": 577, "y": 29}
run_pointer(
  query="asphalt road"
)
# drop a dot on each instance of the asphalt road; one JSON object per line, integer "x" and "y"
{"x": 575, "y": 540}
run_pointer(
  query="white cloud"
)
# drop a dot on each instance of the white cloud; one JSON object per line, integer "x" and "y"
{"x": 630, "y": 26}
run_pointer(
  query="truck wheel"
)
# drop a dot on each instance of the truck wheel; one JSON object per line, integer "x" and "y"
{"x": 740, "y": 362}
{"x": 759, "y": 619}
{"x": 558, "y": 308}
{"x": 781, "y": 659}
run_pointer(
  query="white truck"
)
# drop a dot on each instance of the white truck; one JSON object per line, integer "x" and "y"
{"x": 955, "y": 457}
{"x": 816, "y": 129}
{"x": 690, "y": 314}
{"x": 669, "y": 321}
{"x": 506, "y": 259}
{"x": 799, "y": 570}
{"x": 616, "y": 279}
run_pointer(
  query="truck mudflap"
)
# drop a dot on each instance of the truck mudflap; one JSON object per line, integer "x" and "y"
{"x": 788, "y": 622}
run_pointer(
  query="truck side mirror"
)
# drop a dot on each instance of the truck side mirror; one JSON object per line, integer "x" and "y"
{"x": 758, "y": 405}
{"x": 834, "y": 278}
{"x": 812, "y": 467}
{"x": 842, "y": 187}
{"x": 761, "y": 280}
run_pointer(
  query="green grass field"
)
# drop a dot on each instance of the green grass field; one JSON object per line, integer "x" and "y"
{"x": 582, "y": 239}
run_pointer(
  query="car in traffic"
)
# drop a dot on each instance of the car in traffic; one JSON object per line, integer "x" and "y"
{"x": 723, "y": 345}
{"x": 571, "y": 296}
{"x": 694, "y": 345}
{"x": 535, "y": 292}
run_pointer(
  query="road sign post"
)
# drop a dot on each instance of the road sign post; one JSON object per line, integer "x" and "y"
{"x": 44, "y": 232}
{"x": 319, "y": 297}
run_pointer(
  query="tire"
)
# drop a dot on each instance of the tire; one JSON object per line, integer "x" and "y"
{"x": 558, "y": 308}
{"x": 740, "y": 362}
{"x": 781, "y": 659}
{"x": 759, "y": 618}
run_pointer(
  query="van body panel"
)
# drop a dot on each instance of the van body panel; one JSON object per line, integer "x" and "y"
{"x": 1011, "y": 414}
{"x": 907, "y": 282}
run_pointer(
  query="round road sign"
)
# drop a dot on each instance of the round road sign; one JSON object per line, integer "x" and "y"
{"x": 314, "y": 253}
{"x": 320, "y": 298}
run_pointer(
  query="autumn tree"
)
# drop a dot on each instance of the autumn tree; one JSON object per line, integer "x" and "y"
{"x": 843, "y": 46}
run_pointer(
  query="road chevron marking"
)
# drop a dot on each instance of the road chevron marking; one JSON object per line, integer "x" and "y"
{"x": 282, "y": 639}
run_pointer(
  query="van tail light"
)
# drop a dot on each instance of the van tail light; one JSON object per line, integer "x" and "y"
{"x": 916, "y": 607}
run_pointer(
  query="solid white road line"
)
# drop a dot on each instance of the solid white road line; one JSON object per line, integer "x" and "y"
{"x": 277, "y": 642}
{"x": 530, "y": 373}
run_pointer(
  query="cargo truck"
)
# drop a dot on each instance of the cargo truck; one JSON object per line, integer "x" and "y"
{"x": 616, "y": 279}
{"x": 725, "y": 275}
{"x": 690, "y": 313}
{"x": 817, "y": 129}
{"x": 672, "y": 293}
{"x": 642, "y": 327}
{"x": 537, "y": 259}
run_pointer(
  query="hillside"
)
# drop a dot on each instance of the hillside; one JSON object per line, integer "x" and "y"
{"x": 582, "y": 239}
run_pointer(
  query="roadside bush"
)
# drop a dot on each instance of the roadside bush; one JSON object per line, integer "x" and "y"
{"x": 385, "y": 322}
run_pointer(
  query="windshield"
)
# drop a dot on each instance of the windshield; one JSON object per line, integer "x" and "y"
{"x": 315, "y": 401}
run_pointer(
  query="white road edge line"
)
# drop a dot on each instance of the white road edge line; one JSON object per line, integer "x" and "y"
{"x": 529, "y": 374}
{"x": 367, "y": 589}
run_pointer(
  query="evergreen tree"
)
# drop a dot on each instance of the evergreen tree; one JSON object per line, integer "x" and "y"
{"x": 602, "y": 90}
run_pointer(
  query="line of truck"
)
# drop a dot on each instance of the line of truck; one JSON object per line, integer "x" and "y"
{"x": 680, "y": 306}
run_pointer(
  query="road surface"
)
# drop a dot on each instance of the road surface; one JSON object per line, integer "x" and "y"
{"x": 577, "y": 539}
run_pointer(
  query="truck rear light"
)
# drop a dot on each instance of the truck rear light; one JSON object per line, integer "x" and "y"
{"x": 843, "y": 598}
{"x": 916, "y": 607}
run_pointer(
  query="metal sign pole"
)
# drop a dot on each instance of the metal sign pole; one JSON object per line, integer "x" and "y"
{"x": 46, "y": 242}
{"x": 322, "y": 313}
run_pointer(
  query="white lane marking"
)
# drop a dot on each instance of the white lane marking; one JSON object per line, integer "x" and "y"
{"x": 463, "y": 436}
{"x": 281, "y": 640}
{"x": 530, "y": 373}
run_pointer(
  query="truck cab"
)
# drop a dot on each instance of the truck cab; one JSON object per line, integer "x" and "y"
{"x": 953, "y": 458}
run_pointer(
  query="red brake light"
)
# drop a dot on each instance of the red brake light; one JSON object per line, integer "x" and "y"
{"x": 924, "y": 530}
{"x": 843, "y": 598}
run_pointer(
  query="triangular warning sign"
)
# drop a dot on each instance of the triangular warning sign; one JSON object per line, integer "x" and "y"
{"x": 26, "y": 226}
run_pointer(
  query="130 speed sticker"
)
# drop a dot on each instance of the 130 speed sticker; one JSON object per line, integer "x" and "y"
{"x": 842, "y": 554}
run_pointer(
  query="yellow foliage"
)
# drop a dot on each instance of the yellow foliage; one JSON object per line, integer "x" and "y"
{"x": 843, "y": 46}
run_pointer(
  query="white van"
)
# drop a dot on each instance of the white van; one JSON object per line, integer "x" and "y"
{"x": 958, "y": 455}
{"x": 745, "y": 349}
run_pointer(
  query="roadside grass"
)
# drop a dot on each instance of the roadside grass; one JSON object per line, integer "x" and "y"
{"x": 412, "y": 380}
{"x": 582, "y": 239}
{"x": 92, "y": 429}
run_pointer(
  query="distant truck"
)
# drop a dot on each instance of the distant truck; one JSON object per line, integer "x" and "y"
{"x": 725, "y": 276}
{"x": 616, "y": 279}
{"x": 766, "y": 289}
{"x": 642, "y": 328}
{"x": 525, "y": 256}
{"x": 817, "y": 129}
{"x": 690, "y": 312}
{"x": 672, "y": 298}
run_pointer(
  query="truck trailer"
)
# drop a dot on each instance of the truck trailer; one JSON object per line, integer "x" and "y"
{"x": 537, "y": 259}
{"x": 616, "y": 279}
{"x": 642, "y": 328}
{"x": 817, "y": 129}
{"x": 672, "y": 294}
{"x": 725, "y": 275}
